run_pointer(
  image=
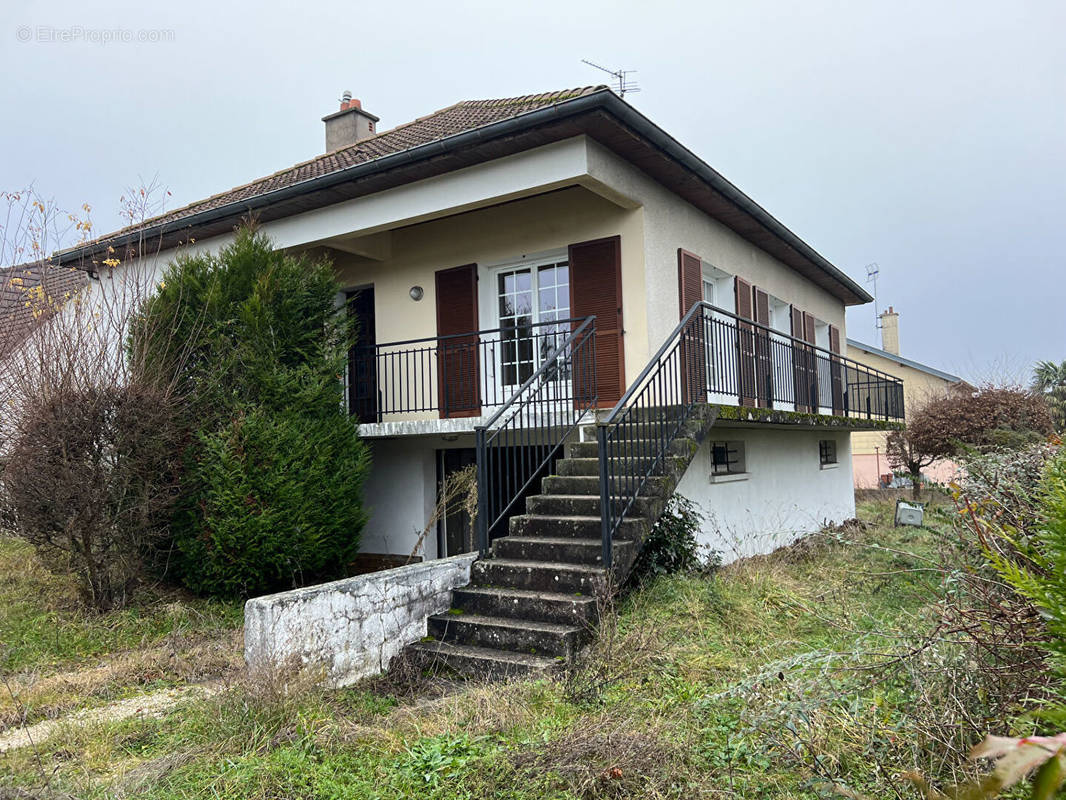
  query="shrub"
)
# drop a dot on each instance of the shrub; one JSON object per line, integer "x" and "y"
{"x": 988, "y": 417}
{"x": 1037, "y": 564}
{"x": 272, "y": 492}
{"x": 671, "y": 545}
{"x": 277, "y": 502}
{"x": 90, "y": 482}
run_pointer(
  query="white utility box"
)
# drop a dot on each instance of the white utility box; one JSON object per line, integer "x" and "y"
{"x": 908, "y": 513}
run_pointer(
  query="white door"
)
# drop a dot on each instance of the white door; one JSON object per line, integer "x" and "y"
{"x": 529, "y": 301}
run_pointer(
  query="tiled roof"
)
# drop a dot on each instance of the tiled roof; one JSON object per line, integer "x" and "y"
{"x": 29, "y": 295}
{"x": 458, "y": 118}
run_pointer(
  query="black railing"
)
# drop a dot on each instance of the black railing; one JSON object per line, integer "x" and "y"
{"x": 714, "y": 356}
{"x": 519, "y": 441}
{"x": 750, "y": 364}
{"x": 456, "y": 375}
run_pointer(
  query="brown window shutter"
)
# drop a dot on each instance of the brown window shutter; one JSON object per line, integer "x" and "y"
{"x": 763, "y": 368}
{"x": 458, "y": 373}
{"x": 745, "y": 344}
{"x": 596, "y": 291}
{"x": 836, "y": 371}
{"x": 799, "y": 362}
{"x": 812, "y": 364}
{"x": 693, "y": 361}
{"x": 689, "y": 280}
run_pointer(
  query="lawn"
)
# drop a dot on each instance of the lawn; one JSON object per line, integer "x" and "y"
{"x": 55, "y": 656}
{"x": 776, "y": 677}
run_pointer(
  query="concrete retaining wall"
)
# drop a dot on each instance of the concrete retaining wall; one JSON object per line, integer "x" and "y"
{"x": 351, "y": 628}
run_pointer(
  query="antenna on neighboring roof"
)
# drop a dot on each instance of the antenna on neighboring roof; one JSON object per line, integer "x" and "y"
{"x": 872, "y": 271}
{"x": 623, "y": 83}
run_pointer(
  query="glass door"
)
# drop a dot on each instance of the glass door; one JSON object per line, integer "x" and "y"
{"x": 530, "y": 301}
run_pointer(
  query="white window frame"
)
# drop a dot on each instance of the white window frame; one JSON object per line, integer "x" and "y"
{"x": 489, "y": 305}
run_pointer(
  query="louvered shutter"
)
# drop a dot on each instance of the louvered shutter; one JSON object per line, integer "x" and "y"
{"x": 763, "y": 369}
{"x": 745, "y": 343}
{"x": 836, "y": 371}
{"x": 693, "y": 349}
{"x": 458, "y": 373}
{"x": 801, "y": 392}
{"x": 689, "y": 280}
{"x": 812, "y": 363}
{"x": 596, "y": 290}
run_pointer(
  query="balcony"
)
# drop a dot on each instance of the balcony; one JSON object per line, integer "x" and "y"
{"x": 464, "y": 375}
{"x": 724, "y": 360}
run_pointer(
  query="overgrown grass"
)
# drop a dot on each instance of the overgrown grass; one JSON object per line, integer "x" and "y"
{"x": 776, "y": 677}
{"x": 56, "y": 655}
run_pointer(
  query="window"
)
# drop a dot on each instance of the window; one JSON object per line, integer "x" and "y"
{"x": 527, "y": 297}
{"x": 827, "y": 452}
{"x": 727, "y": 458}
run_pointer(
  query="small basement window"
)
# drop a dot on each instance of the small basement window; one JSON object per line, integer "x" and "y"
{"x": 727, "y": 458}
{"x": 827, "y": 452}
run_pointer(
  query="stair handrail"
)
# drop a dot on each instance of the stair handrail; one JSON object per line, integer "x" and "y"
{"x": 677, "y": 378}
{"x": 650, "y": 376}
{"x": 578, "y": 348}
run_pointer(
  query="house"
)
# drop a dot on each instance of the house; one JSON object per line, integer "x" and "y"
{"x": 30, "y": 296}
{"x": 555, "y": 290}
{"x": 920, "y": 384}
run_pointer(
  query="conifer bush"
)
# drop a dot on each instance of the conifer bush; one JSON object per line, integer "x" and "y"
{"x": 271, "y": 495}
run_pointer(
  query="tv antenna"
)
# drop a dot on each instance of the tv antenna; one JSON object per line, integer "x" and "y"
{"x": 872, "y": 271}
{"x": 623, "y": 83}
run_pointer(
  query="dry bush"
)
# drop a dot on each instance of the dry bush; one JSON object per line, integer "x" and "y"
{"x": 91, "y": 451}
{"x": 615, "y": 654}
{"x": 987, "y": 417}
{"x": 609, "y": 756}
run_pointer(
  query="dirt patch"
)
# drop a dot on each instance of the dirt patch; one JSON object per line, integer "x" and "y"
{"x": 156, "y": 704}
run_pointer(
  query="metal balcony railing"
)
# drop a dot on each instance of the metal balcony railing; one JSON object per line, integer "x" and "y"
{"x": 461, "y": 375}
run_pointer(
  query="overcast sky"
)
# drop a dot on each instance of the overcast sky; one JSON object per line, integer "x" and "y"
{"x": 927, "y": 137}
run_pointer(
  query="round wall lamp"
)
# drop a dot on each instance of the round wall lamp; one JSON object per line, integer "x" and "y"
{"x": 416, "y": 293}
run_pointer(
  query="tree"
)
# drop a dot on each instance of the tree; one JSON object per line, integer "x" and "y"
{"x": 991, "y": 416}
{"x": 905, "y": 453}
{"x": 1049, "y": 379}
{"x": 271, "y": 495}
{"x": 88, "y": 440}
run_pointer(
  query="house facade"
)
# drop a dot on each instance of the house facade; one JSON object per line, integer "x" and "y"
{"x": 921, "y": 383}
{"x": 525, "y": 268}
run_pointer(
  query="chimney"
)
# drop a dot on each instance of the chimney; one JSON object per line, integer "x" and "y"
{"x": 890, "y": 331}
{"x": 349, "y": 125}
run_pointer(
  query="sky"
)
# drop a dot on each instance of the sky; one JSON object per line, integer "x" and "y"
{"x": 927, "y": 138}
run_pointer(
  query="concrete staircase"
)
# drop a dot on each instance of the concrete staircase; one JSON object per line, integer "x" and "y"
{"x": 532, "y": 604}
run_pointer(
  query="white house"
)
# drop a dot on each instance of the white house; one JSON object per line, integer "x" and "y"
{"x": 522, "y": 265}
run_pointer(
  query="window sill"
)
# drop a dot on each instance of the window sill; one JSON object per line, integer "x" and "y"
{"x": 729, "y": 477}
{"x": 829, "y": 466}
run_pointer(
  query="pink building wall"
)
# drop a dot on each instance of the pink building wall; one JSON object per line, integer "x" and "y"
{"x": 868, "y": 468}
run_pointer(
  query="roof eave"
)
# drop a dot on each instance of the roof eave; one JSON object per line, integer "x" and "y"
{"x": 604, "y": 99}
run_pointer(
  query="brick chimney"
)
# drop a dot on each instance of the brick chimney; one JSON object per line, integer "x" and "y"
{"x": 349, "y": 125}
{"x": 890, "y": 331}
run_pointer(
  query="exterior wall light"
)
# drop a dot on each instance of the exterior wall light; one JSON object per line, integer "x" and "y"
{"x": 416, "y": 293}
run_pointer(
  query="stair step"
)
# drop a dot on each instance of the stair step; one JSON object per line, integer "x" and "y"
{"x": 565, "y": 549}
{"x": 578, "y": 466}
{"x": 586, "y": 505}
{"x": 578, "y": 526}
{"x": 526, "y": 604}
{"x": 681, "y": 446}
{"x": 590, "y": 485}
{"x": 487, "y": 662}
{"x": 504, "y": 633}
{"x": 538, "y": 575}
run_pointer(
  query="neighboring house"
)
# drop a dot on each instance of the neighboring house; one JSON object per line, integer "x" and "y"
{"x": 30, "y": 296}
{"x": 532, "y": 258}
{"x": 920, "y": 384}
